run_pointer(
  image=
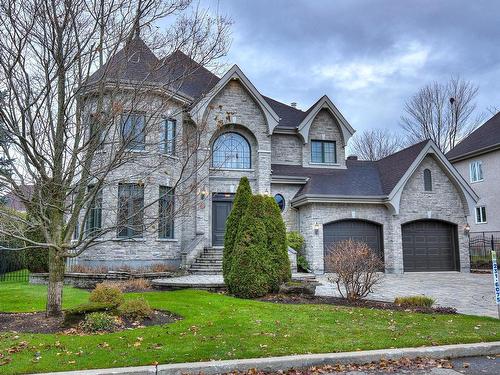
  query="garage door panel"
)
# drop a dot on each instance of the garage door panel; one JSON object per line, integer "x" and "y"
{"x": 429, "y": 246}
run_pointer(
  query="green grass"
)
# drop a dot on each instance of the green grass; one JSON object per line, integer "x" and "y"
{"x": 221, "y": 327}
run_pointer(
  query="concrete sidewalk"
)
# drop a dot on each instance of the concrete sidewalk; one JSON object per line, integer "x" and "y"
{"x": 301, "y": 361}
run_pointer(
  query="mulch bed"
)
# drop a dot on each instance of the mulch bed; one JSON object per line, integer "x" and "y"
{"x": 38, "y": 323}
{"x": 304, "y": 299}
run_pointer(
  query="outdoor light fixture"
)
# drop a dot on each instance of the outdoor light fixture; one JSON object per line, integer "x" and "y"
{"x": 467, "y": 229}
{"x": 266, "y": 193}
{"x": 203, "y": 194}
{"x": 316, "y": 228}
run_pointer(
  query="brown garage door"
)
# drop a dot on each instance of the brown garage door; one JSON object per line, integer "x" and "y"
{"x": 429, "y": 245}
{"x": 353, "y": 229}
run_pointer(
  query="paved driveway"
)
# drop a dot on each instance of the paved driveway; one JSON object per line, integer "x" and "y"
{"x": 467, "y": 292}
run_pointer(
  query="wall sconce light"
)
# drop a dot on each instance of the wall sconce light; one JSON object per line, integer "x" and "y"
{"x": 203, "y": 194}
{"x": 467, "y": 229}
{"x": 266, "y": 193}
{"x": 316, "y": 228}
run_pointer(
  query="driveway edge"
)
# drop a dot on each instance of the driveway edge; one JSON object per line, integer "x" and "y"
{"x": 301, "y": 361}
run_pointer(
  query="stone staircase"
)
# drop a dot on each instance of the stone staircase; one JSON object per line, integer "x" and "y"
{"x": 208, "y": 263}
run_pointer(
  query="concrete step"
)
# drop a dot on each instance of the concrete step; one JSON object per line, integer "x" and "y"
{"x": 205, "y": 272}
{"x": 208, "y": 262}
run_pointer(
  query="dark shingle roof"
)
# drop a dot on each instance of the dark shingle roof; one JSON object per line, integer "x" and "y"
{"x": 360, "y": 178}
{"x": 290, "y": 117}
{"x": 485, "y": 137}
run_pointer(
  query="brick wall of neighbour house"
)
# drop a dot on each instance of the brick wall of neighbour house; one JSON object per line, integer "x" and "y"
{"x": 443, "y": 203}
{"x": 487, "y": 190}
{"x": 324, "y": 127}
{"x": 286, "y": 149}
{"x": 152, "y": 168}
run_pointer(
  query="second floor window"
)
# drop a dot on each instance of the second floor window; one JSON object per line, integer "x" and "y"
{"x": 476, "y": 171}
{"x": 323, "y": 152}
{"x": 133, "y": 131}
{"x": 94, "y": 218}
{"x": 130, "y": 210}
{"x": 480, "y": 215}
{"x": 231, "y": 151}
{"x": 169, "y": 136}
{"x": 166, "y": 213}
{"x": 96, "y": 132}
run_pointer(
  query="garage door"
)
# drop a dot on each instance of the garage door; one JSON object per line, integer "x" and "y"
{"x": 352, "y": 229}
{"x": 429, "y": 245}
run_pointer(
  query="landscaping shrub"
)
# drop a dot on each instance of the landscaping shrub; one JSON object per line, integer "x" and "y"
{"x": 280, "y": 271}
{"x": 414, "y": 301}
{"x": 240, "y": 204}
{"x": 132, "y": 285}
{"x": 106, "y": 293}
{"x": 356, "y": 268}
{"x": 98, "y": 322}
{"x": 137, "y": 309}
{"x": 77, "y": 313}
{"x": 296, "y": 241}
{"x": 248, "y": 275}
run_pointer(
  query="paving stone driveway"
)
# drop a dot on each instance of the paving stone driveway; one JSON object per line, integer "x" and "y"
{"x": 467, "y": 292}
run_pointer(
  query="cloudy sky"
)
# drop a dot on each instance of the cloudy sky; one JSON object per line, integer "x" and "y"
{"x": 368, "y": 56}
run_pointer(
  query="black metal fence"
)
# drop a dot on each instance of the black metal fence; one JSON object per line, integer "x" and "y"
{"x": 480, "y": 246}
{"x": 13, "y": 266}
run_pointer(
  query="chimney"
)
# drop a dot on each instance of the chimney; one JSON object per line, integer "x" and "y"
{"x": 352, "y": 157}
{"x": 294, "y": 104}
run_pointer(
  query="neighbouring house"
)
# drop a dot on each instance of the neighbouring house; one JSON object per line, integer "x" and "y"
{"x": 477, "y": 159}
{"x": 411, "y": 207}
{"x": 14, "y": 200}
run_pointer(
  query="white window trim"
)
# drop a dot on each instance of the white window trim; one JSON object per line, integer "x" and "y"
{"x": 478, "y": 164}
{"x": 481, "y": 214}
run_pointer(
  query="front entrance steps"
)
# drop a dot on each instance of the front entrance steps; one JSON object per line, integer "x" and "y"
{"x": 208, "y": 263}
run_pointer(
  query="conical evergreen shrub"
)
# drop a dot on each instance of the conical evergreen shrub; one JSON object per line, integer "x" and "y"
{"x": 240, "y": 204}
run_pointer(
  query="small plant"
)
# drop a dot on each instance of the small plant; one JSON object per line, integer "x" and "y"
{"x": 356, "y": 268}
{"x": 80, "y": 268}
{"x": 106, "y": 293}
{"x": 132, "y": 285}
{"x": 98, "y": 322}
{"x": 77, "y": 313}
{"x": 414, "y": 301}
{"x": 137, "y": 309}
{"x": 162, "y": 267}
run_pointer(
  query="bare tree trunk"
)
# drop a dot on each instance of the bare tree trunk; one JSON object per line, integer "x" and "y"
{"x": 55, "y": 288}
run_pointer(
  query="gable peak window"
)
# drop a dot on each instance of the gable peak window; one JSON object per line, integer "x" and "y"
{"x": 231, "y": 151}
{"x": 427, "y": 180}
{"x": 169, "y": 133}
{"x": 481, "y": 215}
{"x": 323, "y": 152}
{"x": 476, "y": 171}
{"x": 133, "y": 131}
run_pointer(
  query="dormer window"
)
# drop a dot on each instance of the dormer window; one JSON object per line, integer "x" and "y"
{"x": 323, "y": 152}
{"x": 427, "y": 180}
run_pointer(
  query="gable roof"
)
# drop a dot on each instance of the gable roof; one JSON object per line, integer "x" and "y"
{"x": 483, "y": 139}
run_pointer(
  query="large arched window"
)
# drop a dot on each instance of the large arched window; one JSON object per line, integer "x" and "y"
{"x": 231, "y": 150}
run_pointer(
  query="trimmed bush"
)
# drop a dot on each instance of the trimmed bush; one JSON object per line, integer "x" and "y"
{"x": 295, "y": 240}
{"x": 248, "y": 276}
{"x": 414, "y": 301}
{"x": 77, "y": 313}
{"x": 98, "y": 322}
{"x": 106, "y": 293}
{"x": 276, "y": 244}
{"x": 240, "y": 204}
{"x": 137, "y": 309}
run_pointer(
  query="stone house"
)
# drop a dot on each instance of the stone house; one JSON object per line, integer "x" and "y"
{"x": 411, "y": 207}
{"x": 477, "y": 159}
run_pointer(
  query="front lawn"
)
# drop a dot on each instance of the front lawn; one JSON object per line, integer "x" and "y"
{"x": 221, "y": 327}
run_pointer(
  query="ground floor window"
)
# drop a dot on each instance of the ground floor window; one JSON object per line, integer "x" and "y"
{"x": 94, "y": 218}
{"x": 280, "y": 201}
{"x": 130, "y": 210}
{"x": 481, "y": 215}
{"x": 166, "y": 213}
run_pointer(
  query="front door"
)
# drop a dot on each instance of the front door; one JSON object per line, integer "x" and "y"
{"x": 221, "y": 207}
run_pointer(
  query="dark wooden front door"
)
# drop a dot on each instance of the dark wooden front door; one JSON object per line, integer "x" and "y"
{"x": 221, "y": 207}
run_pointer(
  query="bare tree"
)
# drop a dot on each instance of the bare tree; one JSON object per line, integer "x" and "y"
{"x": 444, "y": 113}
{"x": 375, "y": 144}
{"x": 74, "y": 122}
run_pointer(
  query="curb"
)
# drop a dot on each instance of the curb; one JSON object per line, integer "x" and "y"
{"x": 300, "y": 361}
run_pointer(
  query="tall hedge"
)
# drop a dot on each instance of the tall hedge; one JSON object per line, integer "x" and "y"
{"x": 240, "y": 204}
{"x": 276, "y": 244}
{"x": 248, "y": 276}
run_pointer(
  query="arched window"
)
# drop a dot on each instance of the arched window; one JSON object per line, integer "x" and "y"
{"x": 231, "y": 150}
{"x": 427, "y": 180}
{"x": 280, "y": 200}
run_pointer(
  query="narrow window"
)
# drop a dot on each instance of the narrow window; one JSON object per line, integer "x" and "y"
{"x": 96, "y": 132}
{"x": 166, "y": 213}
{"x": 130, "y": 210}
{"x": 476, "y": 171}
{"x": 324, "y": 152}
{"x": 94, "y": 218}
{"x": 481, "y": 215}
{"x": 169, "y": 136}
{"x": 133, "y": 131}
{"x": 427, "y": 180}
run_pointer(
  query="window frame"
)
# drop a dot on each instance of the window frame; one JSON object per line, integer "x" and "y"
{"x": 166, "y": 216}
{"x": 126, "y": 229}
{"x": 94, "y": 213}
{"x": 134, "y": 144}
{"x": 322, "y": 144}
{"x": 481, "y": 214}
{"x": 224, "y": 165}
{"x": 98, "y": 131}
{"x": 476, "y": 172}
{"x": 168, "y": 144}
{"x": 427, "y": 180}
